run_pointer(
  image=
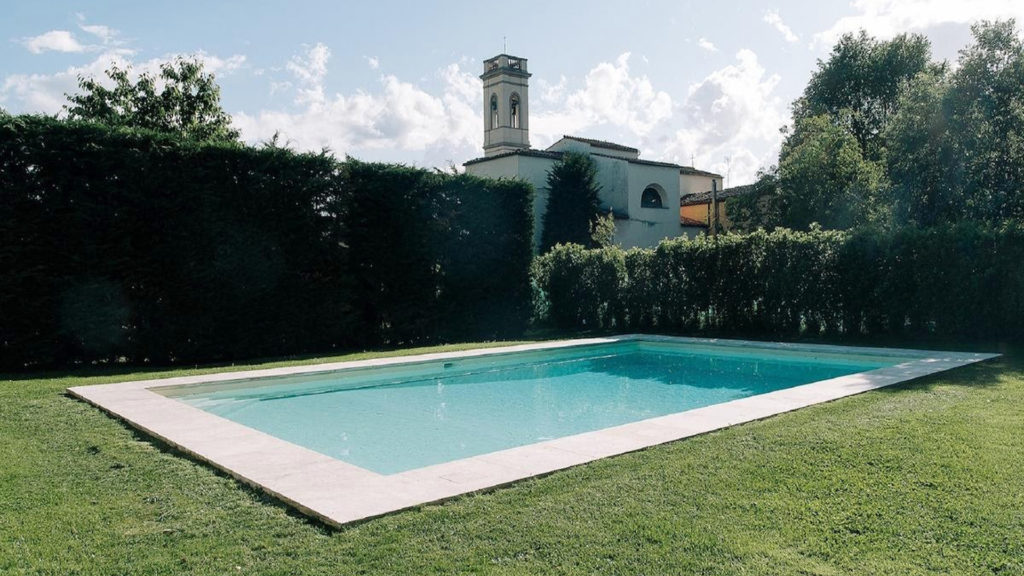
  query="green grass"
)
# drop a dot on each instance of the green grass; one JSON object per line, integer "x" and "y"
{"x": 922, "y": 478}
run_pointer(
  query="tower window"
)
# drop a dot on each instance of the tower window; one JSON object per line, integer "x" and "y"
{"x": 494, "y": 111}
{"x": 514, "y": 111}
{"x": 651, "y": 198}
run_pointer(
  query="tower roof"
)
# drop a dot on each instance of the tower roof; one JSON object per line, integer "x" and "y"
{"x": 505, "y": 64}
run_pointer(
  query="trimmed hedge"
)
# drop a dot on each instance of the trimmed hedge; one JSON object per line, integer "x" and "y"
{"x": 965, "y": 280}
{"x": 436, "y": 256}
{"x": 121, "y": 245}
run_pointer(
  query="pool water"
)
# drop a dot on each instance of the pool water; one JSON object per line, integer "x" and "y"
{"x": 397, "y": 418}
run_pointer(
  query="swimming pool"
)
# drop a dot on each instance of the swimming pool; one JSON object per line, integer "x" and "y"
{"x": 391, "y": 420}
{"x": 353, "y": 440}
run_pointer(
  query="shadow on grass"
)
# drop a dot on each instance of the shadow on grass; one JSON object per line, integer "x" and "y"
{"x": 984, "y": 374}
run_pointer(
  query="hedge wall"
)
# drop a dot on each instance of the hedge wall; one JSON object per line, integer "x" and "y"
{"x": 962, "y": 280}
{"x": 132, "y": 246}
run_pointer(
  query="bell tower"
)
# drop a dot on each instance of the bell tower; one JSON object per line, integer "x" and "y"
{"x": 506, "y": 105}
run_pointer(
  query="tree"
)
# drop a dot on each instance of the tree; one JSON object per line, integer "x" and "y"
{"x": 573, "y": 206}
{"x": 923, "y": 163}
{"x": 986, "y": 102}
{"x": 756, "y": 209}
{"x": 957, "y": 142}
{"x": 182, "y": 99}
{"x": 823, "y": 177}
{"x": 859, "y": 86}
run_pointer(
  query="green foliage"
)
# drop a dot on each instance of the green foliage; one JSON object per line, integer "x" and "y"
{"x": 859, "y": 85}
{"x": 122, "y": 245}
{"x": 831, "y": 166}
{"x": 572, "y": 205}
{"x": 824, "y": 178}
{"x": 936, "y": 145}
{"x": 182, "y": 99}
{"x": 583, "y": 286}
{"x": 602, "y": 231}
{"x": 957, "y": 143}
{"x": 926, "y": 188}
{"x": 756, "y": 209}
{"x": 987, "y": 101}
{"x": 962, "y": 280}
{"x": 436, "y": 255}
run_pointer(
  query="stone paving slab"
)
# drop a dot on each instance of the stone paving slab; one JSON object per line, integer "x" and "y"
{"x": 338, "y": 493}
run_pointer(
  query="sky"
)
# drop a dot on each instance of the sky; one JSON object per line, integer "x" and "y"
{"x": 707, "y": 84}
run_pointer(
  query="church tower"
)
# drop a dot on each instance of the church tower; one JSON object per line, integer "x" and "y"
{"x": 506, "y": 105}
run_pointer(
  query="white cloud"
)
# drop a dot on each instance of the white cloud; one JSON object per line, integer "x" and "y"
{"x": 211, "y": 63}
{"x": 54, "y": 40}
{"x": 705, "y": 44}
{"x": 772, "y": 17}
{"x": 373, "y": 62}
{"x": 399, "y": 116}
{"x": 65, "y": 41}
{"x": 309, "y": 69}
{"x": 45, "y": 93}
{"x": 551, "y": 93}
{"x": 732, "y": 113}
{"x": 610, "y": 96}
{"x": 887, "y": 18}
{"x": 104, "y": 34}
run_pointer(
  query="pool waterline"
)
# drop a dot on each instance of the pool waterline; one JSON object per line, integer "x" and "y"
{"x": 338, "y": 492}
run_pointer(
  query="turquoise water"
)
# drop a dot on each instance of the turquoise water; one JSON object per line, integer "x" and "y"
{"x": 389, "y": 420}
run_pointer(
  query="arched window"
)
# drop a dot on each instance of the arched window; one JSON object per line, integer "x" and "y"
{"x": 494, "y": 111}
{"x": 513, "y": 105}
{"x": 651, "y": 198}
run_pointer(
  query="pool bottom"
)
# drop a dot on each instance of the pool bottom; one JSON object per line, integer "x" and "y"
{"x": 338, "y": 493}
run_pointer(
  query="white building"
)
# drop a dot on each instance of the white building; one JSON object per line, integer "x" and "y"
{"x": 642, "y": 194}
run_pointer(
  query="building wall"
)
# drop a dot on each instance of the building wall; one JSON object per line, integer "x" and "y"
{"x": 648, "y": 226}
{"x": 622, "y": 185}
{"x": 701, "y": 211}
{"x": 613, "y": 178}
{"x": 696, "y": 183}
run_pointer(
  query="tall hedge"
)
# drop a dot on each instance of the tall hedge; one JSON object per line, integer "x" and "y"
{"x": 121, "y": 245}
{"x": 436, "y": 256}
{"x": 965, "y": 280}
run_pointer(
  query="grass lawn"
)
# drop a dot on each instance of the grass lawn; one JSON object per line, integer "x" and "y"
{"x": 921, "y": 478}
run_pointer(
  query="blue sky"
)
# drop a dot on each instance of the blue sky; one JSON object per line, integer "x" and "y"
{"x": 707, "y": 82}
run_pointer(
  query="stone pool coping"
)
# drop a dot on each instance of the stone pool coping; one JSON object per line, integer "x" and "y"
{"x": 339, "y": 493}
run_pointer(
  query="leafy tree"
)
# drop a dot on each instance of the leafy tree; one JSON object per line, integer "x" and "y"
{"x": 822, "y": 177}
{"x": 934, "y": 145}
{"x": 957, "y": 142}
{"x": 922, "y": 161}
{"x": 182, "y": 99}
{"x": 859, "y": 86}
{"x": 572, "y": 206}
{"x": 987, "y": 108}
